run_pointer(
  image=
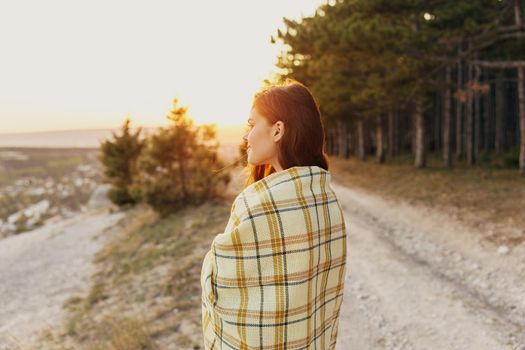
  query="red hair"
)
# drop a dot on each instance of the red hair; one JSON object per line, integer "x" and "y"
{"x": 303, "y": 141}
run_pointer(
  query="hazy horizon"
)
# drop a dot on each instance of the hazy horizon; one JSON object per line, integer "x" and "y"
{"x": 226, "y": 135}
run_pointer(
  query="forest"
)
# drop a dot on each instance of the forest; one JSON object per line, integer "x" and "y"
{"x": 418, "y": 77}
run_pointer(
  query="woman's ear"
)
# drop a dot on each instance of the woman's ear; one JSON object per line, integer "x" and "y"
{"x": 279, "y": 131}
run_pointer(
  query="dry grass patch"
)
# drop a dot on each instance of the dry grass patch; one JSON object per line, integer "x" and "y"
{"x": 490, "y": 199}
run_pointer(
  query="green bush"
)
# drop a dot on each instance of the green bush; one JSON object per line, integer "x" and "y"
{"x": 120, "y": 196}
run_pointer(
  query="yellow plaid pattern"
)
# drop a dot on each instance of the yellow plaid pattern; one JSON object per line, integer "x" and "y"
{"x": 274, "y": 278}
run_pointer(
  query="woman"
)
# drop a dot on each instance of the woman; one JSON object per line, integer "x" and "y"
{"x": 274, "y": 278}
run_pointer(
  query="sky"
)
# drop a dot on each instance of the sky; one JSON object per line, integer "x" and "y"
{"x": 68, "y": 64}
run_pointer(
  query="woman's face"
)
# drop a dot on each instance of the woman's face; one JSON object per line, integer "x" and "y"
{"x": 262, "y": 139}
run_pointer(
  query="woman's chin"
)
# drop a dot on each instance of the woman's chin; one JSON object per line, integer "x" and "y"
{"x": 252, "y": 161}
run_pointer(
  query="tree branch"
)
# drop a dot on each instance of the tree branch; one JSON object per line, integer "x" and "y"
{"x": 499, "y": 64}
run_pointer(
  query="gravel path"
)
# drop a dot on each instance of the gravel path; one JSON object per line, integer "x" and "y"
{"x": 418, "y": 279}
{"x": 40, "y": 269}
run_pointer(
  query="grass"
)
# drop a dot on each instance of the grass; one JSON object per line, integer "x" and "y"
{"x": 146, "y": 291}
{"x": 487, "y": 196}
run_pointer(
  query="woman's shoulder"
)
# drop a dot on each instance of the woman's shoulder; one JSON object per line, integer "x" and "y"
{"x": 301, "y": 183}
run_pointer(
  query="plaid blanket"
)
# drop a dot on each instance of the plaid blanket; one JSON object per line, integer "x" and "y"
{"x": 274, "y": 278}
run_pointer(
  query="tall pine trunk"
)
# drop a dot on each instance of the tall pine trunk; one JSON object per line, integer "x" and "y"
{"x": 521, "y": 111}
{"x": 521, "y": 93}
{"x": 342, "y": 137}
{"x": 351, "y": 137}
{"x": 477, "y": 117}
{"x": 459, "y": 111}
{"x": 332, "y": 138}
{"x": 486, "y": 114}
{"x": 420, "y": 142}
{"x": 469, "y": 118}
{"x": 447, "y": 111}
{"x": 335, "y": 144}
{"x": 380, "y": 140}
{"x": 393, "y": 133}
{"x": 499, "y": 144}
{"x": 437, "y": 127}
{"x": 361, "y": 140}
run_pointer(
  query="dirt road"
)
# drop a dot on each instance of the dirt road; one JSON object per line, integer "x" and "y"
{"x": 40, "y": 269}
{"x": 417, "y": 279}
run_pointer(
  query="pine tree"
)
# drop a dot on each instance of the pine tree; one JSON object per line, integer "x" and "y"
{"x": 176, "y": 167}
{"x": 367, "y": 59}
{"x": 119, "y": 156}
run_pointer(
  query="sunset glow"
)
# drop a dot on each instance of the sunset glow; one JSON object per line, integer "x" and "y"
{"x": 80, "y": 65}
